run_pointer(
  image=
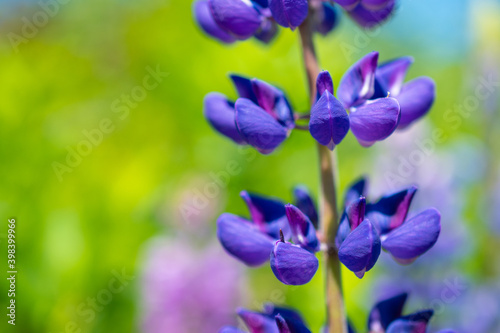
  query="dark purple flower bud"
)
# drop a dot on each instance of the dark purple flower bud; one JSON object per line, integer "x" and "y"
{"x": 293, "y": 265}
{"x": 375, "y": 120}
{"x": 361, "y": 248}
{"x": 221, "y": 115}
{"x": 302, "y": 229}
{"x": 357, "y": 84}
{"x": 239, "y": 17}
{"x": 368, "y": 18}
{"x": 391, "y": 210}
{"x": 282, "y": 325}
{"x": 324, "y": 83}
{"x": 243, "y": 239}
{"x": 267, "y": 31}
{"x": 289, "y": 13}
{"x": 262, "y": 3}
{"x": 305, "y": 203}
{"x": 416, "y": 98}
{"x": 257, "y": 127}
{"x": 385, "y": 312}
{"x": 347, "y": 4}
{"x": 414, "y": 323}
{"x": 414, "y": 237}
{"x": 258, "y": 322}
{"x": 326, "y": 18}
{"x": 204, "y": 17}
{"x": 329, "y": 121}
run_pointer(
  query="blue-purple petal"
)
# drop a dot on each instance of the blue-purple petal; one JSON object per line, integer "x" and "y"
{"x": 391, "y": 210}
{"x": 203, "y": 16}
{"x": 305, "y": 202}
{"x": 329, "y": 121}
{"x": 221, "y": 115}
{"x": 236, "y": 16}
{"x": 374, "y": 4}
{"x": 360, "y": 250}
{"x": 257, "y": 127}
{"x": 302, "y": 229}
{"x": 385, "y": 312}
{"x": 289, "y": 13}
{"x": 244, "y": 87}
{"x": 355, "y": 191}
{"x": 274, "y": 102}
{"x": 244, "y": 240}
{"x": 348, "y": 4}
{"x": 282, "y": 325}
{"x": 358, "y": 83}
{"x": 355, "y": 212}
{"x": 368, "y": 18}
{"x": 375, "y": 120}
{"x": 293, "y": 319}
{"x": 414, "y": 237}
{"x": 414, "y": 323}
{"x": 416, "y": 99}
{"x": 389, "y": 76}
{"x": 293, "y": 265}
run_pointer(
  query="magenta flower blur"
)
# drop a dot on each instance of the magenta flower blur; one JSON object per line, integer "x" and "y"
{"x": 266, "y": 236}
{"x": 365, "y": 91}
{"x": 365, "y": 229}
{"x": 262, "y": 117}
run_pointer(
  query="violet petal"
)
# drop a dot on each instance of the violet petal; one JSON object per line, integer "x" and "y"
{"x": 385, "y": 312}
{"x": 243, "y": 240}
{"x": 416, "y": 99}
{"x": 289, "y": 13}
{"x": 236, "y": 16}
{"x": 414, "y": 323}
{"x": 414, "y": 237}
{"x": 203, "y": 16}
{"x": 302, "y": 229}
{"x": 293, "y": 265}
{"x": 221, "y": 115}
{"x": 375, "y": 120}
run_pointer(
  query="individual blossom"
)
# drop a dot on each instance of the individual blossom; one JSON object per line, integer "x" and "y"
{"x": 267, "y": 234}
{"x": 262, "y": 117}
{"x": 366, "y": 228}
{"x": 232, "y": 20}
{"x": 371, "y": 101}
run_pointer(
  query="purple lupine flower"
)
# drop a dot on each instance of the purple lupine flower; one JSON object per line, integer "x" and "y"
{"x": 187, "y": 290}
{"x": 366, "y": 228}
{"x": 364, "y": 91}
{"x": 326, "y": 18}
{"x": 272, "y": 319}
{"x": 266, "y": 237}
{"x": 262, "y": 117}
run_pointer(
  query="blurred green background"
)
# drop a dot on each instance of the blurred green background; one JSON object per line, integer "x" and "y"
{"x": 79, "y": 225}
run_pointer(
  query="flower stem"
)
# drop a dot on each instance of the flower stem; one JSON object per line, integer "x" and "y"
{"x": 329, "y": 216}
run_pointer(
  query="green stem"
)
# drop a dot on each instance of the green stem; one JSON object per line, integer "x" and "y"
{"x": 329, "y": 216}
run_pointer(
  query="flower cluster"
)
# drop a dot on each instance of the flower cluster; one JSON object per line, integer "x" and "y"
{"x": 265, "y": 237}
{"x": 372, "y": 102}
{"x": 365, "y": 228}
{"x": 385, "y": 317}
{"x": 377, "y": 101}
{"x": 232, "y": 20}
